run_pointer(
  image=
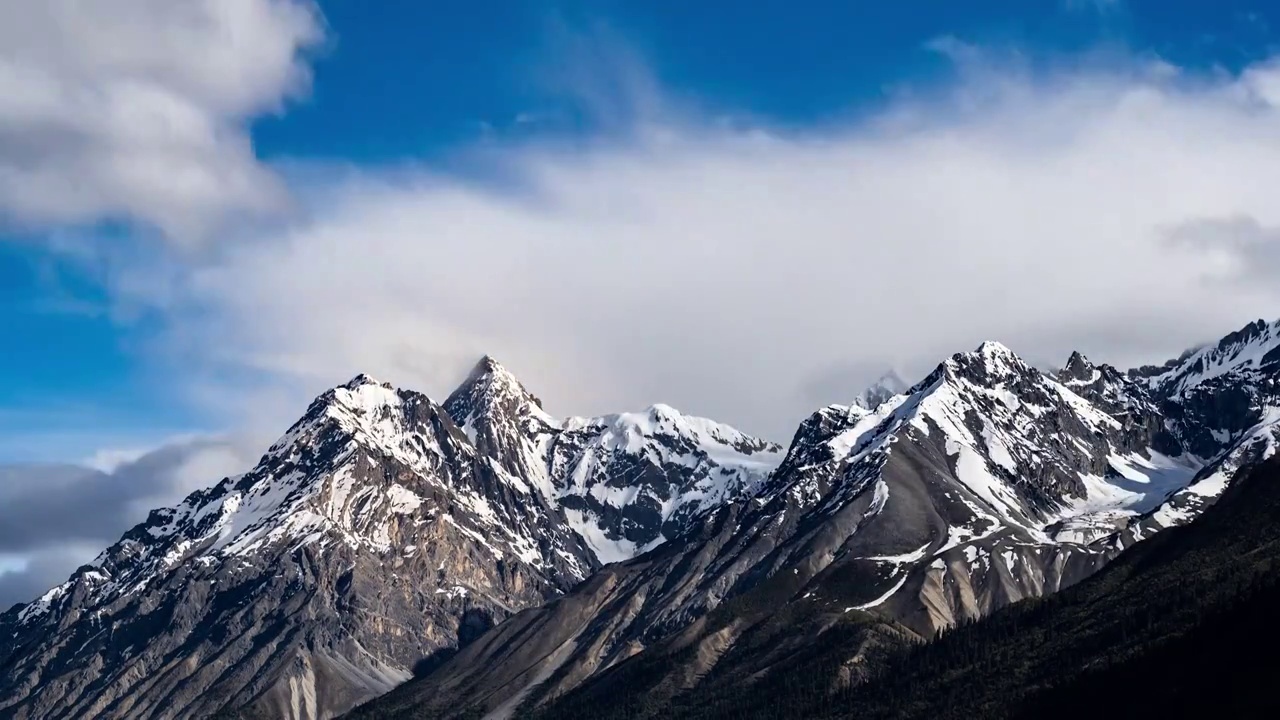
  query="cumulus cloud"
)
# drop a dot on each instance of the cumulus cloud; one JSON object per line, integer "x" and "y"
{"x": 135, "y": 110}
{"x": 737, "y": 270}
{"x": 55, "y": 517}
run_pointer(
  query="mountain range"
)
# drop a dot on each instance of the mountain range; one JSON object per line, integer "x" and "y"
{"x": 1174, "y": 627}
{"x": 480, "y": 557}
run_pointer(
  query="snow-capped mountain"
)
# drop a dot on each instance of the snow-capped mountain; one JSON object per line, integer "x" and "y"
{"x": 631, "y": 481}
{"x": 370, "y": 536}
{"x": 625, "y": 482}
{"x": 377, "y": 535}
{"x": 1223, "y": 395}
{"x": 384, "y": 531}
{"x": 987, "y": 482}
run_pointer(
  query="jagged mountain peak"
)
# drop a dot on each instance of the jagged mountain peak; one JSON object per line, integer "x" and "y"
{"x": 632, "y": 431}
{"x": 506, "y": 423}
{"x": 813, "y": 445}
{"x": 363, "y": 379}
{"x": 490, "y": 373}
{"x": 361, "y": 396}
{"x": 490, "y": 389}
{"x": 1256, "y": 329}
{"x": 625, "y": 482}
{"x": 1255, "y": 347}
{"x": 992, "y": 348}
{"x": 998, "y": 355}
{"x": 886, "y": 386}
{"x": 630, "y": 481}
{"x": 989, "y": 363}
{"x": 402, "y": 424}
{"x": 1099, "y": 382}
{"x": 1078, "y": 368}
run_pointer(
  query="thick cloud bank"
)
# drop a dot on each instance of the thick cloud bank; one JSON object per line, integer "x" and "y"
{"x": 749, "y": 274}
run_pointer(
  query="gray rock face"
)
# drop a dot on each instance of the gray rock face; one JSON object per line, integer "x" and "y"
{"x": 987, "y": 482}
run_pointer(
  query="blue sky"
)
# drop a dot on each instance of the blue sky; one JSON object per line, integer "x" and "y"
{"x": 417, "y": 79}
{"x": 425, "y": 85}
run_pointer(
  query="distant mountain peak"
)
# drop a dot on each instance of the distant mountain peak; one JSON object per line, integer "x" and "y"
{"x": 488, "y": 371}
{"x": 886, "y": 386}
{"x": 1078, "y": 370}
{"x": 505, "y": 422}
{"x": 362, "y": 380}
{"x": 491, "y": 388}
{"x": 989, "y": 364}
{"x": 1253, "y": 348}
{"x": 488, "y": 365}
{"x": 998, "y": 354}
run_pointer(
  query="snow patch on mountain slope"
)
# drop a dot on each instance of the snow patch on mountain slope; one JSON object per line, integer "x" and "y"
{"x": 1260, "y": 443}
{"x": 885, "y": 597}
{"x": 607, "y": 550}
{"x": 910, "y": 557}
{"x": 1136, "y": 485}
{"x": 41, "y": 605}
{"x": 403, "y": 500}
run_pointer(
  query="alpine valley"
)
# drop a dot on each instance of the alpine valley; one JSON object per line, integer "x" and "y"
{"x": 395, "y": 557}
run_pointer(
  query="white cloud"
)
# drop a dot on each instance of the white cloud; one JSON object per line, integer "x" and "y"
{"x": 740, "y": 272}
{"x": 135, "y": 110}
{"x": 108, "y": 459}
{"x": 53, "y": 518}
